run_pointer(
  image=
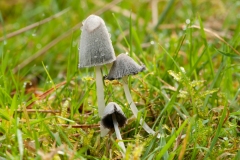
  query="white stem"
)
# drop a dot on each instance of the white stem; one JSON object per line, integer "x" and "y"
{"x": 119, "y": 137}
{"x": 100, "y": 97}
{"x": 100, "y": 91}
{"x": 134, "y": 108}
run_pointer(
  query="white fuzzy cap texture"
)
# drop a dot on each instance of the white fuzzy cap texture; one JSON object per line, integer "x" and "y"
{"x": 124, "y": 66}
{"x": 95, "y": 44}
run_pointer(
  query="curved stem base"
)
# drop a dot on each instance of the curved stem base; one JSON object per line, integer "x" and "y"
{"x": 134, "y": 108}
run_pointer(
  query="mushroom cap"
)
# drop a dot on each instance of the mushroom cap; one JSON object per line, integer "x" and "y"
{"x": 111, "y": 108}
{"x": 95, "y": 44}
{"x": 124, "y": 66}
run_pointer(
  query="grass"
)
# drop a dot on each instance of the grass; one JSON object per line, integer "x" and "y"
{"x": 189, "y": 92}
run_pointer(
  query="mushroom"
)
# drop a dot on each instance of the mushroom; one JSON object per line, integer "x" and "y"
{"x": 122, "y": 68}
{"x": 113, "y": 117}
{"x": 96, "y": 50}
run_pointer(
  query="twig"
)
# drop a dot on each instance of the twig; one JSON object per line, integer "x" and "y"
{"x": 217, "y": 36}
{"x": 46, "y": 48}
{"x": 123, "y": 12}
{"x": 81, "y": 125}
{"x": 39, "y": 110}
{"x": 154, "y": 6}
{"x": 106, "y": 7}
{"x": 45, "y": 94}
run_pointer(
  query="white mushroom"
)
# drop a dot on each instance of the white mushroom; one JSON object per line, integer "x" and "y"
{"x": 96, "y": 50}
{"x": 122, "y": 68}
{"x": 113, "y": 117}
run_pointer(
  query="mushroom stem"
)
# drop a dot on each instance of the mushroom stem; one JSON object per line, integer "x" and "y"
{"x": 100, "y": 97}
{"x": 100, "y": 91}
{"x": 133, "y": 106}
{"x": 119, "y": 137}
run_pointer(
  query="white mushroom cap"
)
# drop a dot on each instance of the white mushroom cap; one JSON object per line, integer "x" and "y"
{"x": 95, "y": 45}
{"x": 113, "y": 108}
{"x": 124, "y": 66}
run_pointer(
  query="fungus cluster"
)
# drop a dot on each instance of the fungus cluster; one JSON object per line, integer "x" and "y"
{"x": 121, "y": 69}
{"x": 96, "y": 50}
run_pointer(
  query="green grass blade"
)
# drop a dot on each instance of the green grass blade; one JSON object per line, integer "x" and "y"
{"x": 206, "y": 45}
{"x": 130, "y": 35}
{"x": 214, "y": 141}
{"x": 120, "y": 28}
{"x": 164, "y": 13}
{"x": 237, "y": 157}
{"x": 216, "y": 78}
{"x": 20, "y": 143}
{"x": 171, "y": 140}
{"x": 54, "y": 136}
{"x": 48, "y": 75}
{"x": 149, "y": 148}
{"x": 69, "y": 63}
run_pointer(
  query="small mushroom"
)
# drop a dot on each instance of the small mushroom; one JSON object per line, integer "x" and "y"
{"x": 96, "y": 50}
{"x": 122, "y": 68}
{"x": 113, "y": 118}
